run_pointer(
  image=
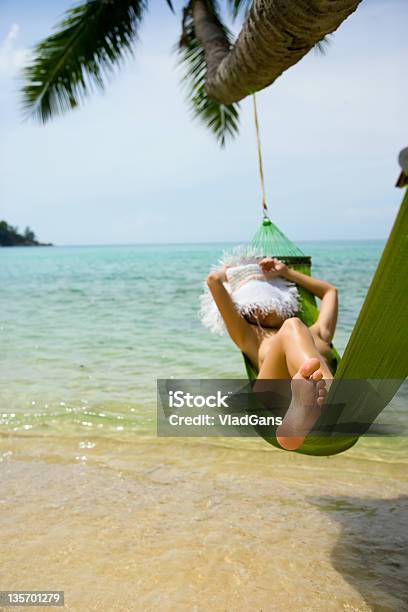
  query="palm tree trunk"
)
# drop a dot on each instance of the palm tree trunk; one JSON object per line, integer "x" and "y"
{"x": 276, "y": 35}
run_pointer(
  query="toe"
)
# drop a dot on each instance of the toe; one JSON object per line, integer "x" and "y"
{"x": 309, "y": 367}
{"x": 318, "y": 375}
{"x": 321, "y": 396}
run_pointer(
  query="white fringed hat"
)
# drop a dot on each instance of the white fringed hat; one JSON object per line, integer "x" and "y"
{"x": 251, "y": 292}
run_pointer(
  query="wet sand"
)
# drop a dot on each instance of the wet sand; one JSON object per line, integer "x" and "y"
{"x": 201, "y": 525}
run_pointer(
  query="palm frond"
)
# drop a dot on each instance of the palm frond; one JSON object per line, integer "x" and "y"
{"x": 322, "y": 45}
{"x": 221, "y": 119}
{"x": 90, "y": 41}
{"x": 239, "y": 6}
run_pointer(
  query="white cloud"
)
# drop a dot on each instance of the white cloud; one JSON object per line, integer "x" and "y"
{"x": 12, "y": 56}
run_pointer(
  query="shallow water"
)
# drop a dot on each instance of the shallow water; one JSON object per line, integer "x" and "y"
{"x": 122, "y": 520}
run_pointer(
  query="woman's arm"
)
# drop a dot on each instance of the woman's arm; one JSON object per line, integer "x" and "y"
{"x": 326, "y": 322}
{"x": 239, "y": 330}
{"x": 318, "y": 287}
{"x": 272, "y": 268}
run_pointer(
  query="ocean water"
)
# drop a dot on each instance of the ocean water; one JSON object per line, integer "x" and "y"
{"x": 86, "y": 331}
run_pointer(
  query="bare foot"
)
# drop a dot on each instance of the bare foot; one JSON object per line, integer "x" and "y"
{"x": 308, "y": 395}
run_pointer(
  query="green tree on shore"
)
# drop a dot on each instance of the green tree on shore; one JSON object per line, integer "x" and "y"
{"x": 29, "y": 234}
{"x": 10, "y": 236}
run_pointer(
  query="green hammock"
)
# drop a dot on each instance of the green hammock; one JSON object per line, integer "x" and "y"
{"x": 378, "y": 347}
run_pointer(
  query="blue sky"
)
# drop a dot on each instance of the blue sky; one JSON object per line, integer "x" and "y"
{"x": 132, "y": 166}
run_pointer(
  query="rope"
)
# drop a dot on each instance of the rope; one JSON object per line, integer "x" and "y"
{"x": 260, "y": 164}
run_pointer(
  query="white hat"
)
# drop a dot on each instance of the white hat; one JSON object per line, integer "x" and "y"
{"x": 252, "y": 294}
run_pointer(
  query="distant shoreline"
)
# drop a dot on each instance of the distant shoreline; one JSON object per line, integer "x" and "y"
{"x": 210, "y": 243}
{"x": 11, "y": 237}
{"x": 225, "y": 243}
{"x": 34, "y": 244}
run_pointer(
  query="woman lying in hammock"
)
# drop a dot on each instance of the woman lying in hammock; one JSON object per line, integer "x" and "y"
{"x": 258, "y": 302}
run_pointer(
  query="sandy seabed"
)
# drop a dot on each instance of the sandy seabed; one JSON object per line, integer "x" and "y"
{"x": 201, "y": 525}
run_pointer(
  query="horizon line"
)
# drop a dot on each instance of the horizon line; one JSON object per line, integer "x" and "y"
{"x": 204, "y": 242}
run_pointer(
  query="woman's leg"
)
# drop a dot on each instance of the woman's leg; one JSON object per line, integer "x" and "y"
{"x": 291, "y": 347}
{"x": 293, "y": 354}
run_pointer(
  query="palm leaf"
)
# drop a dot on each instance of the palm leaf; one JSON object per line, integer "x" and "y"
{"x": 322, "y": 45}
{"x": 239, "y": 6}
{"x": 90, "y": 41}
{"x": 221, "y": 119}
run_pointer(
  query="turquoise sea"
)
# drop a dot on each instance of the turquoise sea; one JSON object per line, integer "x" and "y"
{"x": 86, "y": 331}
